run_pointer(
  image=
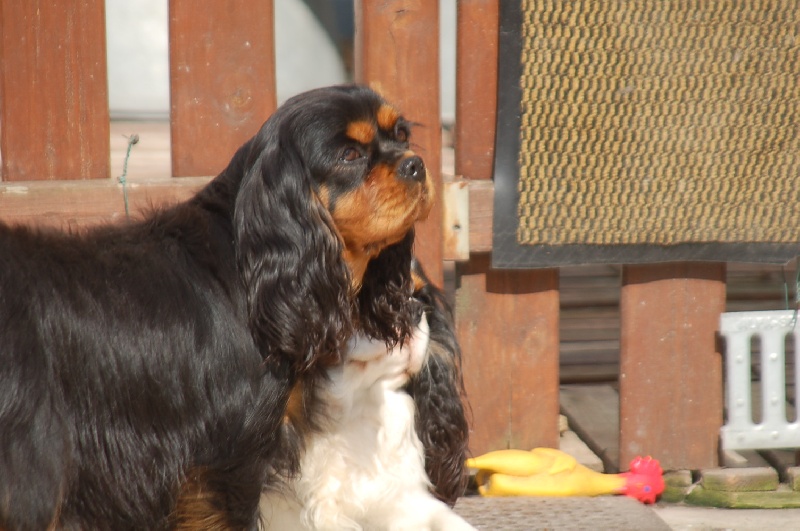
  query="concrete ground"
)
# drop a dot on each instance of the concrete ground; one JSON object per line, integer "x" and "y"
{"x": 685, "y": 518}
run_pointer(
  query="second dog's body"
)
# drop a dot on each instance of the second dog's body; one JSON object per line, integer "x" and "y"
{"x": 365, "y": 467}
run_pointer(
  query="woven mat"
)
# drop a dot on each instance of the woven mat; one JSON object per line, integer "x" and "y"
{"x": 648, "y": 131}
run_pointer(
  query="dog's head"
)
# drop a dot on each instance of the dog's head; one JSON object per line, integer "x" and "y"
{"x": 323, "y": 222}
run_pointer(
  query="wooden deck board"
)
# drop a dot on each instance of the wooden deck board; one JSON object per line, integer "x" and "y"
{"x": 593, "y": 414}
{"x": 150, "y": 157}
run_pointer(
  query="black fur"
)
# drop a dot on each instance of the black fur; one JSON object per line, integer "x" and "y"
{"x": 136, "y": 360}
{"x": 438, "y": 393}
{"x": 387, "y": 286}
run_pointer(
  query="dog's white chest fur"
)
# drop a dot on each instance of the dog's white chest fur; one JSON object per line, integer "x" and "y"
{"x": 359, "y": 472}
{"x": 366, "y": 470}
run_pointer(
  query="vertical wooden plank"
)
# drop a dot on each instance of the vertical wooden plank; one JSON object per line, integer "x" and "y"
{"x": 670, "y": 367}
{"x": 476, "y": 87}
{"x": 53, "y": 90}
{"x": 222, "y": 79}
{"x": 508, "y": 328}
{"x": 397, "y": 54}
{"x": 507, "y": 321}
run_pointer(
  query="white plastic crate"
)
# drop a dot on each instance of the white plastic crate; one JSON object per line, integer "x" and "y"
{"x": 774, "y": 430}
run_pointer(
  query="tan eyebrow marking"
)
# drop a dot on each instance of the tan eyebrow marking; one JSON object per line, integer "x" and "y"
{"x": 387, "y": 117}
{"x": 361, "y": 131}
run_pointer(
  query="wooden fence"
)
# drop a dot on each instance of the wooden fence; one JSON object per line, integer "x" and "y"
{"x": 54, "y": 140}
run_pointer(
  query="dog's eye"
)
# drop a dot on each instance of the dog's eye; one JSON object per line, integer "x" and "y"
{"x": 350, "y": 154}
{"x": 401, "y": 133}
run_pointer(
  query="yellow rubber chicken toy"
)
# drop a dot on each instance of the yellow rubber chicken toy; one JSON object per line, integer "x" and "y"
{"x": 551, "y": 472}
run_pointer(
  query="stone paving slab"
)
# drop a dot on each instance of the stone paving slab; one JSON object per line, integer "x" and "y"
{"x": 579, "y": 513}
{"x": 689, "y": 518}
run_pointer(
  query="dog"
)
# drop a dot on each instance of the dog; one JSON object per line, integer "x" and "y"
{"x": 146, "y": 368}
{"x": 394, "y": 420}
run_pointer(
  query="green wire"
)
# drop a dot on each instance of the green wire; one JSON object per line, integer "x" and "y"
{"x": 133, "y": 139}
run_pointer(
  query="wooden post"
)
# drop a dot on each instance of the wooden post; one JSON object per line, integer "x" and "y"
{"x": 507, "y": 321}
{"x": 53, "y": 90}
{"x": 397, "y": 54}
{"x": 508, "y": 330}
{"x": 222, "y": 79}
{"x": 670, "y": 367}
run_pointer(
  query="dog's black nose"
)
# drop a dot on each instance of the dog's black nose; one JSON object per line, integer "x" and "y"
{"x": 412, "y": 168}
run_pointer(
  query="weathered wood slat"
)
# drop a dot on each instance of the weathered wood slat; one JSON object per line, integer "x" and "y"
{"x": 476, "y": 103}
{"x": 507, "y": 321}
{"x": 670, "y": 369}
{"x": 742, "y": 459}
{"x": 589, "y": 324}
{"x": 590, "y": 373}
{"x": 507, "y": 324}
{"x": 76, "y": 204}
{"x": 53, "y": 90}
{"x": 476, "y": 91}
{"x": 593, "y": 413}
{"x": 589, "y": 327}
{"x": 222, "y": 79}
{"x": 481, "y": 207}
{"x": 588, "y": 352}
{"x": 598, "y": 292}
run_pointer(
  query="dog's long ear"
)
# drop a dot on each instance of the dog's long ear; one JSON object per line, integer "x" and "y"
{"x": 437, "y": 391}
{"x": 386, "y": 309}
{"x": 289, "y": 258}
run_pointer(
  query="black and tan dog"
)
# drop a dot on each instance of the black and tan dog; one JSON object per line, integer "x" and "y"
{"x": 145, "y": 369}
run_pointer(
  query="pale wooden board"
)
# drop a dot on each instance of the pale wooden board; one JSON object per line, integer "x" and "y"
{"x": 76, "y": 204}
{"x": 571, "y": 444}
{"x": 742, "y": 459}
{"x": 593, "y": 414}
{"x": 588, "y": 373}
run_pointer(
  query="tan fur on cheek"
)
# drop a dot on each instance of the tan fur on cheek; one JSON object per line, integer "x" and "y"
{"x": 378, "y": 214}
